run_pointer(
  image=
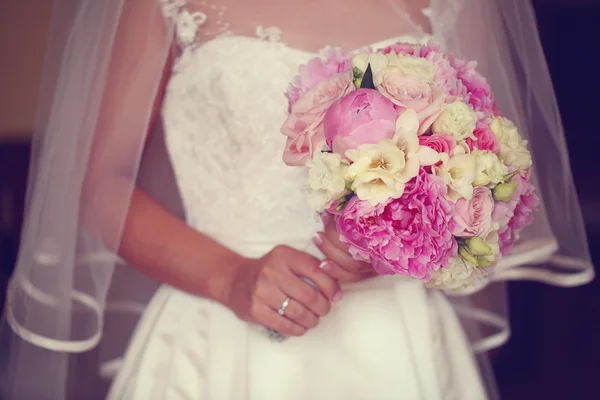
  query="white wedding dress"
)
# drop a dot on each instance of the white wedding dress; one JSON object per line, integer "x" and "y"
{"x": 388, "y": 339}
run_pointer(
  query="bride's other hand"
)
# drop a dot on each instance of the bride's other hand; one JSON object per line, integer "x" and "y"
{"x": 259, "y": 287}
{"x": 339, "y": 264}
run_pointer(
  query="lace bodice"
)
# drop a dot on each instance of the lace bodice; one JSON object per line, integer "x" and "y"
{"x": 222, "y": 114}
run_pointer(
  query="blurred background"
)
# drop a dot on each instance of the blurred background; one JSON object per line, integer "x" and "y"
{"x": 553, "y": 352}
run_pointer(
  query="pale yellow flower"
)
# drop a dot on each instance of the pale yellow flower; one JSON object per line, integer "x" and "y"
{"x": 379, "y": 171}
{"x": 459, "y": 173}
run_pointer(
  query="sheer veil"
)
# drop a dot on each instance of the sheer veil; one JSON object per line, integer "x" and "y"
{"x": 73, "y": 303}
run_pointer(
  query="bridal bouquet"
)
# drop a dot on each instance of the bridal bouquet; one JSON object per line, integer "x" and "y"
{"x": 406, "y": 148}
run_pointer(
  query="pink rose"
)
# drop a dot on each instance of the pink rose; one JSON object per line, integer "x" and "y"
{"x": 408, "y": 92}
{"x": 362, "y": 116}
{"x": 410, "y": 236}
{"x": 474, "y": 217}
{"x": 304, "y": 126}
{"x": 318, "y": 69}
{"x": 439, "y": 143}
{"x": 516, "y": 214}
{"x": 400, "y": 48}
{"x": 486, "y": 139}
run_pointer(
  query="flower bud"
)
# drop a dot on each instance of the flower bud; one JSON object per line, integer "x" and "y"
{"x": 504, "y": 191}
{"x": 478, "y": 247}
{"x": 464, "y": 253}
{"x": 483, "y": 262}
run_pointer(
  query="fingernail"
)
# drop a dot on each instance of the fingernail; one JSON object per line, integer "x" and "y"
{"x": 317, "y": 239}
{"x": 326, "y": 217}
{"x": 325, "y": 266}
{"x": 337, "y": 296}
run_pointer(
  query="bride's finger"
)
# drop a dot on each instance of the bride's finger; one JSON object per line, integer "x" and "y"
{"x": 340, "y": 273}
{"x": 305, "y": 294}
{"x": 293, "y": 310}
{"x": 269, "y": 318}
{"x": 340, "y": 256}
{"x": 331, "y": 233}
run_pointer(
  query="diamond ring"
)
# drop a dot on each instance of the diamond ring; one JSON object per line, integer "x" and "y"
{"x": 283, "y": 307}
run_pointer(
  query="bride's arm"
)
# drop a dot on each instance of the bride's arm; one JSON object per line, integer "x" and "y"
{"x": 155, "y": 241}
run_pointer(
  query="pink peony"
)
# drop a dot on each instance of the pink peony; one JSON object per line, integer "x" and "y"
{"x": 474, "y": 217}
{"x": 439, "y": 143}
{"x": 459, "y": 78}
{"x": 486, "y": 139}
{"x": 517, "y": 214}
{"x": 318, "y": 69}
{"x": 362, "y": 116}
{"x": 479, "y": 90}
{"x": 411, "y": 235}
{"x": 506, "y": 240}
{"x": 304, "y": 126}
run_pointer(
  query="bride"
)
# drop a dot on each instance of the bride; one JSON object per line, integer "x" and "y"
{"x": 233, "y": 318}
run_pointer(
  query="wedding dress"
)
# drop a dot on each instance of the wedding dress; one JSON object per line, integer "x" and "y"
{"x": 73, "y": 299}
{"x": 389, "y": 338}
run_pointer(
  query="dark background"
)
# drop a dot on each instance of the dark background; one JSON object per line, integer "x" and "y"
{"x": 553, "y": 352}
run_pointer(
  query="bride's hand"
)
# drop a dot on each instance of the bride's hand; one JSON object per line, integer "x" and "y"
{"x": 339, "y": 263}
{"x": 259, "y": 287}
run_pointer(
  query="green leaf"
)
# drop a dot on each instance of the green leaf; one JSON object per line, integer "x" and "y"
{"x": 357, "y": 73}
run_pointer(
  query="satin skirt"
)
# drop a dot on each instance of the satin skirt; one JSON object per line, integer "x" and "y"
{"x": 387, "y": 339}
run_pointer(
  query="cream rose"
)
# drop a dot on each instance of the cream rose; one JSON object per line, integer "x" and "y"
{"x": 327, "y": 177}
{"x": 416, "y": 67}
{"x": 378, "y": 62}
{"x": 411, "y": 66}
{"x": 513, "y": 149}
{"x": 458, "y": 120}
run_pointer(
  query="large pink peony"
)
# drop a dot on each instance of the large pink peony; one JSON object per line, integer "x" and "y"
{"x": 363, "y": 116}
{"x": 517, "y": 214}
{"x": 411, "y": 235}
{"x": 334, "y": 61}
{"x": 304, "y": 126}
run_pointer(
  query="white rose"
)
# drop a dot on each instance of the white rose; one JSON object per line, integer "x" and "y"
{"x": 490, "y": 170}
{"x": 327, "y": 174}
{"x": 458, "y": 120}
{"x": 412, "y": 66}
{"x": 459, "y": 173}
{"x": 513, "y": 149}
